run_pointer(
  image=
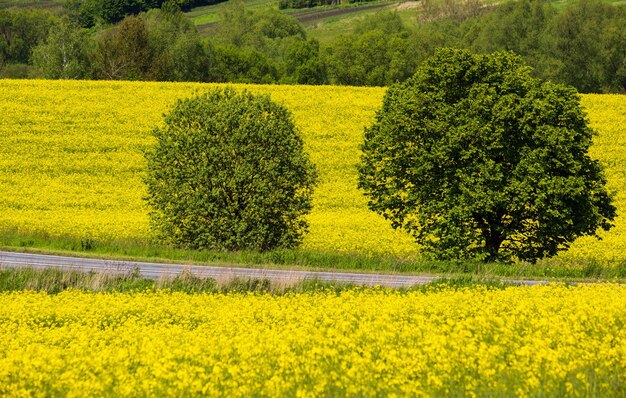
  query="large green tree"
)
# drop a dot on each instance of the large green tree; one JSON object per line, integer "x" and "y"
{"x": 229, "y": 171}
{"x": 476, "y": 158}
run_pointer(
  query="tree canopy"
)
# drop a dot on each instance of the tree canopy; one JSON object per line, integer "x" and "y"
{"x": 476, "y": 158}
{"x": 229, "y": 172}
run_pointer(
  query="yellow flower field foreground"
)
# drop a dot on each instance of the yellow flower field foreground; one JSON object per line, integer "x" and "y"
{"x": 521, "y": 341}
{"x": 71, "y": 162}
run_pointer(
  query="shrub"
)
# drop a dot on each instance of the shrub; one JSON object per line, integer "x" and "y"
{"x": 476, "y": 158}
{"x": 229, "y": 172}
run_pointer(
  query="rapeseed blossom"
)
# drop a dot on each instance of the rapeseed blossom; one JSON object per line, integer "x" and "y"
{"x": 72, "y": 164}
{"x": 521, "y": 341}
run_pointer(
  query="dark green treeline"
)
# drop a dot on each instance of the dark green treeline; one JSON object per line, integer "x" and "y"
{"x": 583, "y": 45}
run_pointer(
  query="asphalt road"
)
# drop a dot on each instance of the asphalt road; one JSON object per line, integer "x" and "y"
{"x": 162, "y": 270}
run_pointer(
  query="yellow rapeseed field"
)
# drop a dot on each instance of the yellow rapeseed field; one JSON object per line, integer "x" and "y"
{"x": 521, "y": 341}
{"x": 71, "y": 162}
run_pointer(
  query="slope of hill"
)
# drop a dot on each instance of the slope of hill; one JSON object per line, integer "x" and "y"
{"x": 71, "y": 163}
{"x": 53, "y": 5}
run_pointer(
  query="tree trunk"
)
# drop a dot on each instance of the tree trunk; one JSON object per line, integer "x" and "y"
{"x": 493, "y": 241}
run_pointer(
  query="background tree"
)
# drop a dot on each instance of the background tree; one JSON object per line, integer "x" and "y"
{"x": 21, "y": 30}
{"x": 88, "y": 13}
{"x": 123, "y": 52}
{"x": 303, "y": 64}
{"x": 258, "y": 46}
{"x": 377, "y": 53}
{"x": 176, "y": 49}
{"x": 522, "y": 27}
{"x": 243, "y": 65}
{"x": 66, "y": 53}
{"x": 476, "y": 158}
{"x": 580, "y": 44}
{"x": 229, "y": 172}
{"x": 590, "y": 46}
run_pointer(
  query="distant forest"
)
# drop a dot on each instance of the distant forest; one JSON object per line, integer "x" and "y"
{"x": 90, "y": 12}
{"x": 583, "y": 45}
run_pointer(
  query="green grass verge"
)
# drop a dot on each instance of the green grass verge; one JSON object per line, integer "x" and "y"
{"x": 213, "y": 13}
{"x": 327, "y": 29}
{"x": 560, "y": 268}
{"x": 54, "y": 281}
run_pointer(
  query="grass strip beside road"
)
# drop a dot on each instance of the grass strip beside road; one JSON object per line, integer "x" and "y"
{"x": 54, "y": 281}
{"x": 583, "y": 270}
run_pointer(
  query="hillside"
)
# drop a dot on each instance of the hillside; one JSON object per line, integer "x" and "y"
{"x": 375, "y": 43}
{"x": 71, "y": 162}
{"x": 53, "y": 5}
{"x": 322, "y": 23}
{"x": 326, "y": 22}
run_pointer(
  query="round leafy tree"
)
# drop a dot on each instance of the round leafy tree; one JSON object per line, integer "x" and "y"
{"x": 478, "y": 159}
{"x": 229, "y": 172}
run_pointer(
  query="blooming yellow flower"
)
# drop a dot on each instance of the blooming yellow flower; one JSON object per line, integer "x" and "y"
{"x": 71, "y": 160}
{"x": 526, "y": 341}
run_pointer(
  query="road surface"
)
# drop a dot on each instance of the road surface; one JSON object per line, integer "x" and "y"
{"x": 163, "y": 270}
